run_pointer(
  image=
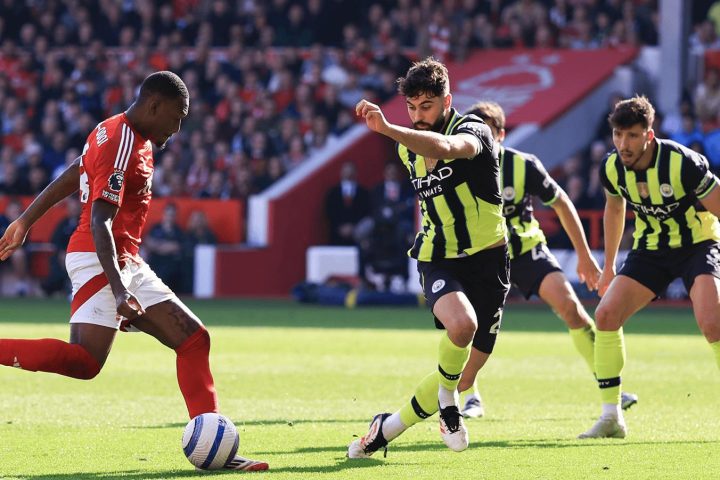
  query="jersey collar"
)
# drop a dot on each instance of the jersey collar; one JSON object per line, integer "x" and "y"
{"x": 454, "y": 118}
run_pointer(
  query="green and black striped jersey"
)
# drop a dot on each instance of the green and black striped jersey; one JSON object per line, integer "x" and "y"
{"x": 665, "y": 196}
{"x": 522, "y": 176}
{"x": 460, "y": 199}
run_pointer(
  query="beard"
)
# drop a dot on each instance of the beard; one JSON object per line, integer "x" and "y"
{"x": 435, "y": 127}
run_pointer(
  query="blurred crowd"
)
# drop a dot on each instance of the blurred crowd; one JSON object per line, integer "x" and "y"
{"x": 271, "y": 82}
{"x": 274, "y": 81}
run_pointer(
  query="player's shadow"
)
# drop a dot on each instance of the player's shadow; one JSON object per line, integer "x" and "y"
{"x": 127, "y": 474}
{"x": 340, "y": 465}
{"x": 551, "y": 443}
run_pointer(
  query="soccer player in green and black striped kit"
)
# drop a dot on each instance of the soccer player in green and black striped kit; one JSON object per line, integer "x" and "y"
{"x": 534, "y": 270}
{"x": 461, "y": 248}
{"x": 677, "y": 234}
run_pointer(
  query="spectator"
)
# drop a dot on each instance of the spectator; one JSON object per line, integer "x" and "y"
{"x": 594, "y": 197}
{"x": 689, "y": 133}
{"x": 707, "y": 100}
{"x": 165, "y": 247}
{"x": 51, "y": 95}
{"x": 57, "y": 279}
{"x": 217, "y": 187}
{"x": 296, "y": 153}
{"x": 672, "y": 122}
{"x": 346, "y": 205}
{"x": 198, "y": 232}
{"x": 199, "y": 173}
{"x": 15, "y": 277}
{"x": 385, "y": 235}
{"x": 12, "y": 182}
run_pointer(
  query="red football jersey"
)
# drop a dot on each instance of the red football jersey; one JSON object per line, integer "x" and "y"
{"x": 116, "y": 167}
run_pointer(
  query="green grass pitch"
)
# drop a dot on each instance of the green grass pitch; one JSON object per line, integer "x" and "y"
{"x": 300, "y": 381}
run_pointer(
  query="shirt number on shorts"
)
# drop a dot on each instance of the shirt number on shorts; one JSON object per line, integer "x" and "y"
{"x": 538, "y": 252}
{"x": 495, "y": 327}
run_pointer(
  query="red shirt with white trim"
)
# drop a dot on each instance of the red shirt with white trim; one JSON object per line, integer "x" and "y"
{"x": 116, "y": 167}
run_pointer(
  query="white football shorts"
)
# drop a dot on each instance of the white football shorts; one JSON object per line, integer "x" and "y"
{"x": 93, "y": 300}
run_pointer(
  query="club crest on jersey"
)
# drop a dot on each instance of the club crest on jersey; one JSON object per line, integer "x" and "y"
{"x": 666, "y": 190}
{"x": 643, "y": 189}
{"x": 115, "y": 182}
{"x": 508, "y": 193}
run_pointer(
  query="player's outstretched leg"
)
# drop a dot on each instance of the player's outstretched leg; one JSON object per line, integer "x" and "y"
{"x": 372, "y": 441}
{"x": 385, "y": 427}
{"x": 81, "y": 358}
{"x": 49, "y": 355}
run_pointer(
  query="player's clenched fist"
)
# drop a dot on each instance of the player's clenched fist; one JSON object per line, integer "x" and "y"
{"x": 372, "y": 114}
{"x": 128, "y": 306}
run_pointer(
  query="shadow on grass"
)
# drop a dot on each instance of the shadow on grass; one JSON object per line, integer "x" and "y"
{"x": 550, "y": 443}
{"x": 341, "y": 464}
{"x": 344, "y": 464}
{"x": 126, "y": 474}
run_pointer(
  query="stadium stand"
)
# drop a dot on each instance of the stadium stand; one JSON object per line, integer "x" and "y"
{"x": 272, "y": 83}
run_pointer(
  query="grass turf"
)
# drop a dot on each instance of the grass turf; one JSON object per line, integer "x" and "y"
{"x": 300, "y": 381}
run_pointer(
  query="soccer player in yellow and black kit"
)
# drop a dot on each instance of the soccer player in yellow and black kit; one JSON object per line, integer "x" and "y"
{"x": 534, "y": 270}
{"x": 461, "y": 247}
{"x": 677, "y": 234}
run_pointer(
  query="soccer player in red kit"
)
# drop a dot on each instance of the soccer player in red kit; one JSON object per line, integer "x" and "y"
{"x": 113, "y": 288}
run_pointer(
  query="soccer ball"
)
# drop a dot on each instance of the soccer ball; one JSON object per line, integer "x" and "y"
{"x": 210, "y": 440}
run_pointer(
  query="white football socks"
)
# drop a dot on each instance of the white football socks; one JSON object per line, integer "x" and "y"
{"x": 611, "y": 410}
{"x": 447, "y": 397}
{"x": 392, "y": 427}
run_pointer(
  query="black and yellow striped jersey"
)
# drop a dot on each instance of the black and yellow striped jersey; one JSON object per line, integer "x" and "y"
{"x": 665, "y": 196}
{"x": 460, "y": 199}
{"x": 522, "y": 176}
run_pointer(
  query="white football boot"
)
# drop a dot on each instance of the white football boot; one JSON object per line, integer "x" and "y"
{"x": 606, "y": 427}
{"x": 627, "y": 400}
{"x": 373, "y": 441}
{"x": 473, "y": 407}
{"x": 452, "y": 429}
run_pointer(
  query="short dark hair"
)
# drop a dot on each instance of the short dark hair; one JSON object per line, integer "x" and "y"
{"x": 632, "y": 111}
{"x": 491, "y": 113}
{"x": 164, "y": 83}
{"x": 428, "y": 77}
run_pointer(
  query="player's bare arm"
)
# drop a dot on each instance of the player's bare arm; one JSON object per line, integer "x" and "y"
{"x": 102, "y": 216}
{"x": 587, "y": 268}
{"x": 426, "y": 143}
{"x": 613, "y": 226}
{"x": 66, "y": 184}
{"x": 712, "y": 201}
